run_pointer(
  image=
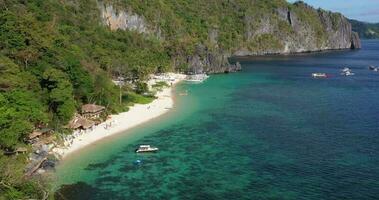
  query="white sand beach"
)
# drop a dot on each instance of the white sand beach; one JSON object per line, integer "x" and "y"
{"x": 137, "y": 115}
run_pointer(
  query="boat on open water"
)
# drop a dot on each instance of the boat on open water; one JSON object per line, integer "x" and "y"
{"x": 146, "y": 149}
{"x": 373, "y": 68}
{"x": 319, "y": 75}
{"x": 347, "y": 72}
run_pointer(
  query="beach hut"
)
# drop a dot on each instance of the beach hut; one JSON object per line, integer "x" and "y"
{"x": 92, "y": 111}
{"x": 36, "y": 134}
{"x": 79, "y": 122}
{"x": 21, "y": 150}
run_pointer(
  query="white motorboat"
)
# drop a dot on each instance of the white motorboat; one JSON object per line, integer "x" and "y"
{"x": 319, "y": 75}
{"x": 146, "y": 149}
{"x": 373, "y": 68}
{"x": 346, "y": 69}
{"x": 346, "y": 72}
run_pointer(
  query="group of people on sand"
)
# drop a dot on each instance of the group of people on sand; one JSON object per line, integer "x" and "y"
{"x": 108, "y": 125}
{"x": 69, "y": 139}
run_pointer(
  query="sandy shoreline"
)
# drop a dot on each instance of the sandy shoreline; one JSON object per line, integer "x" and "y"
{"x": 137, "y": 114}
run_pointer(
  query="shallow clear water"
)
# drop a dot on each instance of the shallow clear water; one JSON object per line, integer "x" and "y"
{"x": 269, "y": 132}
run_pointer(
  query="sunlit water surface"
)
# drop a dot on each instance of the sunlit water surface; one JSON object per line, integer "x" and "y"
{"x": 268, "y": 132}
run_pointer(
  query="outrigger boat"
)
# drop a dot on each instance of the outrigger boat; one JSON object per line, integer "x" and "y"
{"x": 146, "y": 149}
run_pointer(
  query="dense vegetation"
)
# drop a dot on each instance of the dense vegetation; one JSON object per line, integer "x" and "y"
{"x": 57, "y": 55}
{"x": 54, "y": 57}
{"x": 366, "y": 30}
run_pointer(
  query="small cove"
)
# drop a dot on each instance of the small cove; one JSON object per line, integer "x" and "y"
{"x": 268, "y": 132}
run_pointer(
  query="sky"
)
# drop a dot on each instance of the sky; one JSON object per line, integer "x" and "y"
{"x": 362, "y": 10}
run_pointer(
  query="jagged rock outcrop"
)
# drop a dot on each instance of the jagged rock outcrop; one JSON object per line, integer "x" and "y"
{"x": 322, "y": 30}
{"x": 207, "y": 61}
{"x": 355, "y": 41}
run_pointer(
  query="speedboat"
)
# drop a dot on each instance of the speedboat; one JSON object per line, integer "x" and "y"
{"x": 346, "y": 72}
{"x": 319, "y": 75}
{"x": 346, "y": 69}
{"x": 373, "y": 68}
{"x": 146, "y": 149}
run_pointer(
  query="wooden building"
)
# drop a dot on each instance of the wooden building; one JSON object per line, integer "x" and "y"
{"x": 79, "y": 122}
{"x": 37, "y": 134}
{"x": 92, "y": 111}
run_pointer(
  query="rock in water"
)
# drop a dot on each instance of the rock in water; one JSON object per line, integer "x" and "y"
{"x": 355, "y": 41}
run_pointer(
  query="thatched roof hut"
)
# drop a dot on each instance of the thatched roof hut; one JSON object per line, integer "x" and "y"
{"x": 92, "y": 108}
{"x": 21, "y": 150}
{"x": 80, "y": 122}
{"x": 37, "y": 133}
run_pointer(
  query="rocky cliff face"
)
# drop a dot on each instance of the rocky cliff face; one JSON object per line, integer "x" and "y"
{"x": 355, "y": 41}
{"x": 281, "y": 29}
{"x": 121, "y": 19}
{"x": 294, "y": 32}
{"x": 208, "y": 61}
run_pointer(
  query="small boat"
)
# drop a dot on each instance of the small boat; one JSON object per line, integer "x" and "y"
{"x": 146, "y": 149}
{"x": 373, "y": 68}
{"x": 319, "y": 75}
{"x": 346, "y": 72}
{"x": 346, "y": 69}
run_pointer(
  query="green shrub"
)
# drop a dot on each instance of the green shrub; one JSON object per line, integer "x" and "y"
{"x": 160, "y": 85}
{"x": 134, "y": 98}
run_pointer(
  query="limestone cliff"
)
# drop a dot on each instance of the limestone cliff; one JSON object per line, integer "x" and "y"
{"x": 204, "y": 39}
{"x": 298, "y": 28}
{"x": 123, "y": 20}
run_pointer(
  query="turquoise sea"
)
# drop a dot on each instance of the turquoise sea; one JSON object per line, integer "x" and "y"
{"x": 268, "y": 132}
